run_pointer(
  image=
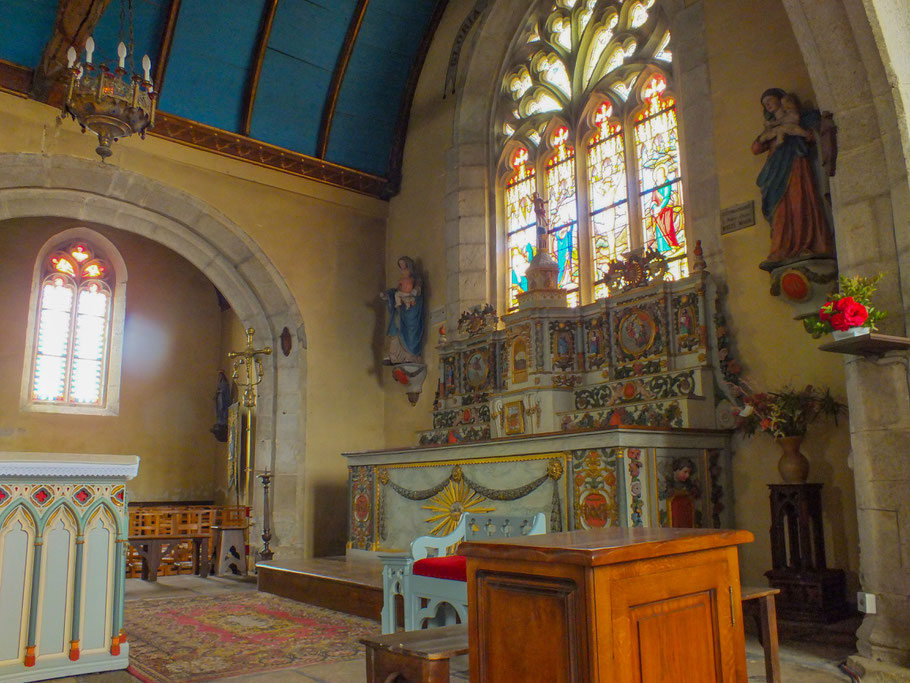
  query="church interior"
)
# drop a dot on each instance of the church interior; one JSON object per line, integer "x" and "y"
{"x": 357, "y": 270}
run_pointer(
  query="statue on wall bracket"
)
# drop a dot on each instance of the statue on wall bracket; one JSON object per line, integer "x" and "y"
{"x": 801, "y": 259}
{"x": 405, "y": 329}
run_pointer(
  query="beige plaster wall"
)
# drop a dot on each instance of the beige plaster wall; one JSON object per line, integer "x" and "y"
{"x": 170, "y": 352}
{"x": 751, "y": 48}
{"x": 326, "y": 243}
{"x": 417, "y": 218}
{"x": 745, "y": 58}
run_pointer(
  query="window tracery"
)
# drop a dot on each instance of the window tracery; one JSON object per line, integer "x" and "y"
{"x": 587, "y": 106}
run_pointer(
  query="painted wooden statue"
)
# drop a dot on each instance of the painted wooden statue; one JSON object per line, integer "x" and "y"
{"x": 404, "y": 303}
{"x": 790, "y": 199}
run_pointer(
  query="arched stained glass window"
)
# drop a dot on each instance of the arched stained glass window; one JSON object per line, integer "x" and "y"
{"x": 587, "y": 106}
{"x": 72, "y": 336}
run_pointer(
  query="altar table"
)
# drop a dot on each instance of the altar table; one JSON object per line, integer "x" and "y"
{"x": 619, "y": 605}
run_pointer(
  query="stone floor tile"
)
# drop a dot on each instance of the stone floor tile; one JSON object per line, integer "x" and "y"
{"x": 283, "y": 676}
{"x": 349, "y": 671}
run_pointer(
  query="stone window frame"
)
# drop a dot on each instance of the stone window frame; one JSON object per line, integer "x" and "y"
{"x": 114, "y": 361}
{"x": 473, "y": 236}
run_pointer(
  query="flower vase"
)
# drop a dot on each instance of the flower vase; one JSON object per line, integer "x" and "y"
{"x": 793, "y": 465}
{"x": 850, "y": 332}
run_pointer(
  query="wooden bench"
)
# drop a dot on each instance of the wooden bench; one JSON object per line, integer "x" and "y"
{"x": 178, "y": 530}
{"x": 415, "y": 656}
{"x": 152, "y": 548}
{"x": 766, "y": 619}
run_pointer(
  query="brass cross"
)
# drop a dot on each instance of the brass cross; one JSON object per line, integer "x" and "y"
{"x": 249, "y": 359}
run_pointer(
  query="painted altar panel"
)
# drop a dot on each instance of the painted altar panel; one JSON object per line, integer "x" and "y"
{"x": 689, "y": 489}
{"x": 417, "y": 499}
{"x": 616, "y": 477}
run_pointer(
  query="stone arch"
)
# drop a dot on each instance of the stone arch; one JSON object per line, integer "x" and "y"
{"x": 36, "y": 185}
{"x": 472, "y": 239}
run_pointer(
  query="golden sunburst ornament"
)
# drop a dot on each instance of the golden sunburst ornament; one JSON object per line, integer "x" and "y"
{"x": 450, "y": 503}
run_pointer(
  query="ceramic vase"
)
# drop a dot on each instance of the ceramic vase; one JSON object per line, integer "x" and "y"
{"x": 793, "y": 465}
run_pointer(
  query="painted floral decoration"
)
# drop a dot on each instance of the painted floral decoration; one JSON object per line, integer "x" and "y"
{"x": 787, "y": 412}
{"x": 849, "y": 307}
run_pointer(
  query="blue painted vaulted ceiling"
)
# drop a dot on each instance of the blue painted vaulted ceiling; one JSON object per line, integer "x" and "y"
{"x": 316, "y": 94}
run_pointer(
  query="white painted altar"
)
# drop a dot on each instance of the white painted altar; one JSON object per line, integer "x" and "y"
{"x": 63, "y": 530}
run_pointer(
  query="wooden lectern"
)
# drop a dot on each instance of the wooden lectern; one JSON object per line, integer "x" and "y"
{"x": 619, "y": 604}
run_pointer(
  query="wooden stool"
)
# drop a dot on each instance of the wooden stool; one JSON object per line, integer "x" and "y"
{"x": 230, "y": 549}
{"x": 766, "y": 618}
{"x": 415, "y": 656}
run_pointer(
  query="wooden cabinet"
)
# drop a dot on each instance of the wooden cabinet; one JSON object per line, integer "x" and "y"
{"x": 649, "y": 605}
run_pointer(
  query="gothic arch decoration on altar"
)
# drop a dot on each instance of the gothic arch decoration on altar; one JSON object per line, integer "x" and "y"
{"x": 586, "y": 119}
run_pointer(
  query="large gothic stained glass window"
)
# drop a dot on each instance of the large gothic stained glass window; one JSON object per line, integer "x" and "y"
{"x": 73, "y": 328}
{"x": 587, "y": 106}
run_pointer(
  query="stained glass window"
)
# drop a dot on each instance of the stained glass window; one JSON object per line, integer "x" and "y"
{"x": 73, "y": 328}
{"x": 657, "y": 143}
{"x": 520, "y": 222}
{"x": 563, "y": 216}
{"x": 607, "y": 192}
{"x": 601, "y": 67}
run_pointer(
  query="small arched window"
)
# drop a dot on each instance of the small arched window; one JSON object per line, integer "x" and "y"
{"x": 72, "y": 328}
{"x": 587, "y": 119}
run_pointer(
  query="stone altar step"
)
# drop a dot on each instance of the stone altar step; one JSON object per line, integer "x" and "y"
{"x": 352, "y": 586}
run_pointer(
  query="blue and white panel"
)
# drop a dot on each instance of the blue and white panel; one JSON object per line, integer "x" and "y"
{"x": 55, "y": 599}
{"x": 17, "y": 545}
{"x": 97, "y": 582}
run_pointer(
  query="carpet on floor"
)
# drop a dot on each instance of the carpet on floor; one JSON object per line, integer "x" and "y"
{"x": 204, "y": 637}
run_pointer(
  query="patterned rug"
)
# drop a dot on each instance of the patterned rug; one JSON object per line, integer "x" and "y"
{"x": 204, "y": 637}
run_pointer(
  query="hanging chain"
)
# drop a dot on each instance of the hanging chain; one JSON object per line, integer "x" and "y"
{"x": 126, "y": 24}
{"x": 132, "y": 45}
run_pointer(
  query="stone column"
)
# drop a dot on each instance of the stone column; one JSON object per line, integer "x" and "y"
{"x": 880, "y": 437}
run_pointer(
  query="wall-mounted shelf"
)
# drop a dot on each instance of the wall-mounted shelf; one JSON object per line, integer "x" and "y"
{"x": 867, "y": 344}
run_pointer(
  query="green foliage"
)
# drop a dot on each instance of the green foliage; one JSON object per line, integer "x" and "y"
{"x": 849, "y": 307}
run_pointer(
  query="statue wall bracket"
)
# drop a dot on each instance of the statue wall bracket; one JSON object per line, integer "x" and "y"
{"x": 804, "y": 283}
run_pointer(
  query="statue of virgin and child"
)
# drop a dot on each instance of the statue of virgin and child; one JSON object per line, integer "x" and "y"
{"x": 404, "y": 303}
{"x": 791, "y": 201}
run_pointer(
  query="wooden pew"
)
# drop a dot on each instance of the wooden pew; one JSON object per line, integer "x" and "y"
{"x": 175, "y": 539}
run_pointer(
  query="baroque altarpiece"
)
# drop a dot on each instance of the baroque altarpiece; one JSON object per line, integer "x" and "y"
{"x": 616, "y": 413}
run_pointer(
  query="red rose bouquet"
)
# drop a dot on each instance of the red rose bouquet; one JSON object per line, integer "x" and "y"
{"x": 849, "y": 307}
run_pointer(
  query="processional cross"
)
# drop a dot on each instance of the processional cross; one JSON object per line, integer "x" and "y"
{"x": 250, "y": 360}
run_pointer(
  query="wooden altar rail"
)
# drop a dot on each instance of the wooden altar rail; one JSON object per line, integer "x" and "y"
{"x": 178, "y": 520}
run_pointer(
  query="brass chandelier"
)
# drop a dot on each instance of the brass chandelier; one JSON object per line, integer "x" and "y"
{"x": 112, "y": 103}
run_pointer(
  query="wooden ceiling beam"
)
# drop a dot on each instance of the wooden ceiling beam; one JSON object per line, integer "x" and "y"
{"x": 262, "y": 43}
{"x": 164, "y": 48}
{"x": 75, "y": 22}
{"x": 341, "y": 66}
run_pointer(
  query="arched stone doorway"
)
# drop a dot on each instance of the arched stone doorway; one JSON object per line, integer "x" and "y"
{"x": 34, "y": 185}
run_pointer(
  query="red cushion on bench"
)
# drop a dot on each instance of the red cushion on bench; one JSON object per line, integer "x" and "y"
{"x": 452, "y": 567}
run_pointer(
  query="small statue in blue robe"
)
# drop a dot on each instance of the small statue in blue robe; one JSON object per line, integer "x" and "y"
{"x": 406, "y": 316}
